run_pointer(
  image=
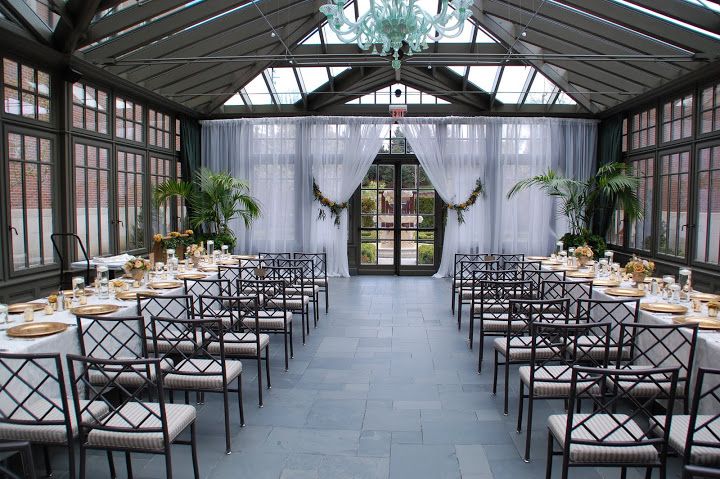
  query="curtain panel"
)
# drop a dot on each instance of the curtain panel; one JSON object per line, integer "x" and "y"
{"x": 500, "y": 151}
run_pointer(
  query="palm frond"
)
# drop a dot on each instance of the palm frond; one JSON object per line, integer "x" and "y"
{"x": 171, "y": 189}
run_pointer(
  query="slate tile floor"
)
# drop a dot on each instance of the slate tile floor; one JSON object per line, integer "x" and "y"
{"x": 385, "y": 387}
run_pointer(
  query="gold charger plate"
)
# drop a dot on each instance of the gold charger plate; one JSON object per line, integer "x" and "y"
{"x": 606, "y": 282}
{"x": 132, "y": 295}
{"x": 208, "y": 269}
{"x": 581, "y": 274}
{"x": 94, "y": 309}
{"x": 35, "y": 330}
{"x": 664, "y": 308}
{"x": 537, "y": 258}
{"x": 191, "y": 276}
{"x": 21, "y": 307}
{"x": 165, "y": 285}
{"x": 627, "y": 292}
{"x": 705, "y": 322}
{"x": 705, "y": 297}
{"x": 69, "y": 292}
{"x": 228, "y": 262}
{"x": 244, "y": 256}
{"x": 562, "y": 268}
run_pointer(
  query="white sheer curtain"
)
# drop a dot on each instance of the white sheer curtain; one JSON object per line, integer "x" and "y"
{"x": 501, "y": 151}
{"x": 340, "y": 150}
{"x": 279, "y": 157}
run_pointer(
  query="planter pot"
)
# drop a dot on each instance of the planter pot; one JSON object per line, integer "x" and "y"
{"x": 196, "y": 261}
{"x": 638, "y": 277}
{"x": 137, "y": 274}
{"x": 583, "y": 260}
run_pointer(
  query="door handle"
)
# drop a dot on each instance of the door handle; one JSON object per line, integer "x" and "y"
{"x": 683, "y": 227}
{"x": 12, "y": 228}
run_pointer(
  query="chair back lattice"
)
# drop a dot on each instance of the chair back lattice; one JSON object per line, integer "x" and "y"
{"x": 616, "y": 311}
{"x": 319, "y": 262}
{"x": 503, "y": 258}
{"x": 614, "y": 407}
{"x": 460, "y": 257}
{"x": 526, "y": 312}
{"x": 232, "y": 310}
{"x": 32, "y": 391}
{"x": 573, "y": 290}
{"x": 208, "y": 287}
{"x": 196, "y": 346}
{"x": 306, "y": 265}
{"x": 702, "y": 446}
{"x": 270, "y": 258}
{"x": 112, "y": 337}
{"x": 467, "y": 271}
{"x": 133, "y": 379}
{"x": 660, "y": 346}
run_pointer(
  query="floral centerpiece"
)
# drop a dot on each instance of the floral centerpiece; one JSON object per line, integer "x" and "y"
{"x": 173, "y": 240}
{"x": 584, "y": 254}
{"x": 639, "y": 268}
{"x": 195, "y": 253}
{"x": 137, "y": 267}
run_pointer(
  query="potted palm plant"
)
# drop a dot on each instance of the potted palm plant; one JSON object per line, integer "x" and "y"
{"x": 580, "y": 200}
{"x": 213, "y": 199}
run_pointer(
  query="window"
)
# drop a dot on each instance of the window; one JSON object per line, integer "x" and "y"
{"x": 26, "y": 91}
{"x": 710, "y": 109}
{"x": 707, "y": 242}
{"x": 616, "y": 232}
{"x": 128, "y": 120}
{"x": 377, "y": 220}
{"x": 643, "y": 129}
{"x": 158, "y": 129}
{"x": 92, "y": 198}
{"x": 177, "y": 134}
{"x": 673, "y": 207}
{"x": 182, "y": 222}
{"x": 677, "y": 119}
{"x": 30, "y": 178}
{"x": 161, "y": 170}
{"x": 90, "y": 107}
{"x": 624, "y": 135}
{"x": 640, "y": 231}
{"x": 130, "y": 193}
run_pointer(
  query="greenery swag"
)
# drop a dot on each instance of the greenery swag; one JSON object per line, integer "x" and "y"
{"x": 462, "y": 207}
{"x": 335, "y": 208}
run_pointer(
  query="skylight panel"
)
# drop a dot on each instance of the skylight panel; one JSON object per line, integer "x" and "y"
{"x": 464, "y": 37}
{"x": 313, "y": 39}
{"x": 335, "y": 71}
{"x": 313, "y": 77}
{"x": 542, "y": 91}
{"x": 459, "y": 70}
{"x": 42, "y": 10}
{"x": 382, "y": 97}
{"x": 668, "y": 19}
{"x": 564, "y": 99}
{"x": 393, "y": 96}
{"x": 412, "y": 96}
{"x": 484, "y": 37}
{"x": 512, "y": 83}
{"x": 483, "y": 76}
{"x": 235, "y": 100}
{"x": 257, "y": 91}
{"x": 286, "y": 87}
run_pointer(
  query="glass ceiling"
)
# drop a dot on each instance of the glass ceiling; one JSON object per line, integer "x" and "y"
{"x": 389, "y": 95}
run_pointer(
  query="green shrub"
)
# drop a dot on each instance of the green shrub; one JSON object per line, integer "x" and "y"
{"x": 426, "y": 253}
{"x": 368, "y": 253}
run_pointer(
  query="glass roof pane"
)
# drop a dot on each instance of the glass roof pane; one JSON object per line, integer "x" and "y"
{"x": 564, "y": 99}
{"x": 393, "y": 90}
{"x": 257, "y": 91}
{"x": 440, "y": 101}
{"x": 668, "y": 19}
{"x": 114, "y": 9}
{"x": 386, "y": 95}
{"x": 484, "y": 37}
{"x": 459, "y": 70}
{"x": 483, "y": 76}
{"x": 512, "y": 83}
{"x": 382, "y": 97}
{"x": 542, "y": 91}
{"x": 335, "y": 71}
{"x": 42, "y": 10}
{"x": 235, "y": 100}
{"x": 412, "y": 96}
{"x": 286, "y": 87}
{"x": 313, "y": 39}
{"x": 313, "y": 77}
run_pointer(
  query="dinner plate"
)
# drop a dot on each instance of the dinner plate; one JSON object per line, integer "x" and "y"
{"x": 581, "y": 274}
{"x": 537, "y": 258}
{"x": 704, "y": 297}
{"x": 606, "y": 282}
{"x": 35, "y": 330}
{"x": 627, "y": 292}
{"x": 191, "y": 276}
{"x": 562, "y": 268}
{"x": 94, "y": 309}
{"x": 18, "y": 308}
{"x": 165, "y": 285}
{"x": 132, "y": 295}
{"x": 705, "y": 322}
{"x": 664, "y": 308}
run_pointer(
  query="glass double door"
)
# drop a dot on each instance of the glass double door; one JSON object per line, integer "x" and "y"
{"x": 399, "y": 220}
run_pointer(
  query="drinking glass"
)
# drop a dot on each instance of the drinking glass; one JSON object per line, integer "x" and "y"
{"x": 103, "y": 275}
{"x": 684, "y": 276}
{"x": 210, "y": 248}
{"x": 3, "y": 313}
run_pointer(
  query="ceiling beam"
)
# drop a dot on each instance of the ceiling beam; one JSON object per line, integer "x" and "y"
{"x": 506, "y": 33}
{"x": 688, "y": 12}
{"x": 127, "y": 17}
{"x": 29, "y": 19}
{"x": 68, "y": 34}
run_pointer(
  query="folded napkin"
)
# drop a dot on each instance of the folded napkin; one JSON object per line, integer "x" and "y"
{"x": 121, "y": 258}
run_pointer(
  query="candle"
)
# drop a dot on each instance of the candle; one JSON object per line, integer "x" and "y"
{"x": 28, "y": 315}
{"x": 3, "y": 313}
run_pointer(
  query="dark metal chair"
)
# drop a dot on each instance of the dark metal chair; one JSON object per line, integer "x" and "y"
{"x": 24, "y": 449}
{"x": 321, "y": 277}
{"x": 459, "y": 258}
{"x": 63, "y": 242}
{"x": 131, "y": 424}
{"x": 610, "y": 435}
{"x": 615, "y": 311}
{"x": 466, "y": 278}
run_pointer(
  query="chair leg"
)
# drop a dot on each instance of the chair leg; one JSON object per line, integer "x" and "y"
{"x": 495, "y": 374}
{"x": 285, "y": 341}
{"x": 471, "y": 328}
{"x": 71, "y": 460}
{"x": 82, "y": 462}
{"x": 528, "y": 428}
{"x": 168, "y": 463}
{"x": 193, "y": 447}
{"x": 506, "y": 388}
{"x": 452, "y": 302}
{"x": 521, "y": 403}
{"x": 259, "y": 379}
{"x": 459, "y": 309}
{"x": 111, "y": 464}
{"x": 648, "y": 473}
{"x": 128, "y": 465}
{"x": 623, "y": 473}
{"x": 307, "y": 318}
{"x": 267, "y": 366}
{"x": 549, "y": 459}
{"x": 327, "y": 296}
{"x": 240, "y": 400}
{"x": 302, "y": 324}
{"x": 46, "y": 458}
{"x": 226, "y": 411}
{"x": 292, "y": 353}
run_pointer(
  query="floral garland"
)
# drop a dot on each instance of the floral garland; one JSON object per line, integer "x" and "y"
{"x": 462, "y": 207}
{"x": 335, "y": 208}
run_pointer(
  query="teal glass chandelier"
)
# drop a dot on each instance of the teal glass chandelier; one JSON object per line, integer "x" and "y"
{"x": 390, "y": 24}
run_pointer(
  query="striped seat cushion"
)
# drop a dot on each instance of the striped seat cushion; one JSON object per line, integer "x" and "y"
{"x": 521, "y": 348}
{"x": 292, "y": 303}
{"x": 201, "y": 374}
{"x": 593, "y": 348}
{"x": 492, "y": 307}
{"x": 240, "y": 344}
{"x": 48, "y": 434}
{"x": 275, "y": 320}
{"x": 133, "y": 418}
{"x": 498, "y": 325}
{"x": 605, "y": 427}
{"x": 322, "y": 282}
{"x": 553, "y": 381}
{"x": 127, "y": 378}
{"x": 647, "y": 386}
{"x": 305, "y": 290}
{"x": 708, "y": 431}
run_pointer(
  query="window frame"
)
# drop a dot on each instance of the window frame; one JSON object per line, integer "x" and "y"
{"x": 699, "y": 135}
{"x": 631, "y": 133}
{"x": 694, "y": 97}
{"x": 694, "y": 200}
{"x": 657, "y": 212}
{"x": 52, "y": 96}
{"x": 82, "y": 132}
{"x": 146, "y": 198}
